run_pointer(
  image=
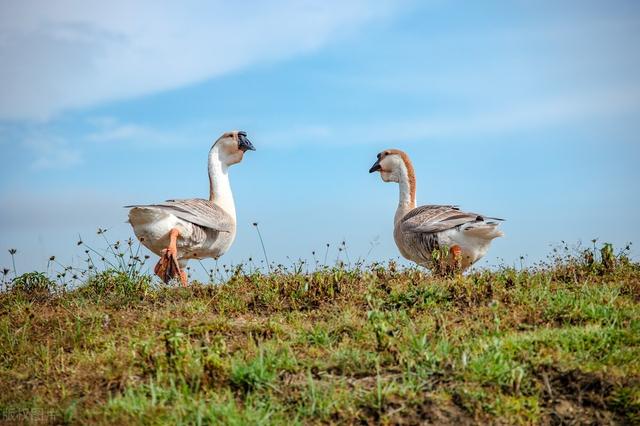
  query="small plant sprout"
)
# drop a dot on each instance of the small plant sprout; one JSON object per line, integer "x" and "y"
{"x": 372, "y": 244}
{"x": 264, "y": 251}
{"x": 326, "y": 253}
{"x": 5, "y": 271}
{"x": 13, "y": 252}
{"x": 346, "y": 252}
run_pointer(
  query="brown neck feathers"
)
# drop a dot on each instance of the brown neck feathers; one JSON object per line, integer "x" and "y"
{"x": 211, "y": 193}
{"x": 411, "y": 174}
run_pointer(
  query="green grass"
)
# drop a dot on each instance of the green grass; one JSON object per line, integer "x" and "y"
{"x": 559, "y": 342}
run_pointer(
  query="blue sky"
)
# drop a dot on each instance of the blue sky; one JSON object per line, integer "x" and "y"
{"x": 527, "y": 110}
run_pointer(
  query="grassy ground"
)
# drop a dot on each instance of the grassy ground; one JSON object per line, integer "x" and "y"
{"x": 552, "y": 344}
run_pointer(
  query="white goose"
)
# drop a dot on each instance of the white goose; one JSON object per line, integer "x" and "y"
{"x": 419, "y": 231}
{"x": 179, "y": 230}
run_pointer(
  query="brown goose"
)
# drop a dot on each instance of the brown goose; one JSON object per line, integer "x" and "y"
{"x": 419, "y": 231}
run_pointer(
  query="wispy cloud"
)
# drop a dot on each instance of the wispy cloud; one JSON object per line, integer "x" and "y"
{"x": 516, "y": 116}
{"x": 52, "y": 153}
{"x": 53, "y": 149}
{"x": 111, "y": 130}
{"x": 70, "y": 54}
{"x": 539, "y": 113}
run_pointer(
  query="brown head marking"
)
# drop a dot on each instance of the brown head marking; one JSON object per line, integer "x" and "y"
{"x": 411, "y": 174}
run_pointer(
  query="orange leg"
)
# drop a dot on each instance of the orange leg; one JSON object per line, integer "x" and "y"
{"x": 456, "y": 254}
{"x": 168, "y": 267}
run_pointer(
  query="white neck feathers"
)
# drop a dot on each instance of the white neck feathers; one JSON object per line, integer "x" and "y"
{"x": 407, "y": 186}
{"x": 219, "y": 186}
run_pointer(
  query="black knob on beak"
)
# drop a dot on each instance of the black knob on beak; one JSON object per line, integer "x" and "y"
{"x": 244, "y": 144}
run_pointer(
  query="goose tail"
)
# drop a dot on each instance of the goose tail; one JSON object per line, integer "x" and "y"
{"x": 487, "y": 230}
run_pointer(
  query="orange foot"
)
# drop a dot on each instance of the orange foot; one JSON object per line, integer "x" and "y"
{"x": 456, "y": 254}
{"x": 168, "y": 267}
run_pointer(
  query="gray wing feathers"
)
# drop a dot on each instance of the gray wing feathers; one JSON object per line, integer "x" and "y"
{"x": 432, "y": 219}
{"x": 198, "y": 211}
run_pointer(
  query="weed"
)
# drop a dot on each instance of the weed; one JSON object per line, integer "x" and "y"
{"x": 13, "y": 252}
{"x": 114, "y": 284}
{"x": 260, "y": 371}
{"x": 264, "y": 251}
{"x": 33, "y": 283}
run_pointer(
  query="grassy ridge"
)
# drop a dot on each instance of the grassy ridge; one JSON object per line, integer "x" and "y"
{"x": 548, "y": 344}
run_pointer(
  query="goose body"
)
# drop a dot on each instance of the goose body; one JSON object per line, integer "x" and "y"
{"x": 419, "y": 231}
{"x": 199, "y": 239}
{"x": 179, "y": 230}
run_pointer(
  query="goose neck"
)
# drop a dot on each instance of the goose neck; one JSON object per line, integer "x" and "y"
{"x": 407, "y": 186}
{"x": 219, "y": 185}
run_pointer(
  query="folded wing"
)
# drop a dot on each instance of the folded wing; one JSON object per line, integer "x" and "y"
{"x": 432, "y": 219}
{"x": 196, "y": 210}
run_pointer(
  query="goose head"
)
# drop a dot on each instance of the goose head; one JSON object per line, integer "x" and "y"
{"x": 231, "y": 146}
{"x": 394, "y": 165}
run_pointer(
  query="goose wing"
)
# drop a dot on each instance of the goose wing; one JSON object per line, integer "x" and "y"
{"x": 432, "y": 219}
{"x": 198, "y": 211}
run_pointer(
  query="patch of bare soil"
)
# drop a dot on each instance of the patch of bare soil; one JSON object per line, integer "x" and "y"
{"x": 578, "y": 398}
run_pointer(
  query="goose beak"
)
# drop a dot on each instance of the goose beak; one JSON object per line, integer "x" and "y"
{"x": 376, "y": 167}
{"x": 244, "y": 144}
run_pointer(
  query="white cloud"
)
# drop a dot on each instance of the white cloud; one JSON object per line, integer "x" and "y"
{"x": 52, "y": 152}
{"x": 69, "y": 54}
{"x": 60, "y": 159}
{"x": 541, "y": 113}
{"x": 109, "y": 129}
{"x": 569, "y": 108}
